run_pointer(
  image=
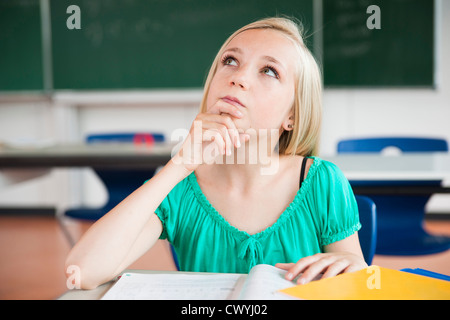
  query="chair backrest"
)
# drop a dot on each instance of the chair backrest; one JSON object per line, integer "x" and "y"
{"x": 405, "y": 144}
{"x": 121, "y": 182}
{"x": 368, "y": 232}
{"x": 127, "y": 137}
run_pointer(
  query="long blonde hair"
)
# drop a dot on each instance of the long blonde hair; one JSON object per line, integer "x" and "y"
{"x": 307, "y": 109}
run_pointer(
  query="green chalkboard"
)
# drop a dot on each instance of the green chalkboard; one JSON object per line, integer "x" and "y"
{"x": 127, "y": 44}
{"x": 399, "y": 54}
{"x": 151, "y": 44}
{"x": 20, "y": 46}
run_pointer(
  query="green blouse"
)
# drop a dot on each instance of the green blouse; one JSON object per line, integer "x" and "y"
{"x": 323, "y": 211}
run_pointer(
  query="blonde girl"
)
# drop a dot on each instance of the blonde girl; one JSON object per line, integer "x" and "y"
{"x": 224, "y": 215}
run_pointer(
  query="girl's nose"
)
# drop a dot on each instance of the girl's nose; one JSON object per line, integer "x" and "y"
{"x": 240, "y": 78}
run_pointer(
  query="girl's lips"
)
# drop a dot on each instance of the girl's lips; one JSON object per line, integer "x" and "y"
{"x": 232, "y": 100}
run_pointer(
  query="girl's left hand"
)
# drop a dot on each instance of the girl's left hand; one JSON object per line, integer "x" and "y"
{"x": 330, "y": 264}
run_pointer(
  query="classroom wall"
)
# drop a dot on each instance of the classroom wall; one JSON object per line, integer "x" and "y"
{"x": 347, "y": 112}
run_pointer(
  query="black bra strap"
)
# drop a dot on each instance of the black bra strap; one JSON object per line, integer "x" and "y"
{"x": 302, "y": 172}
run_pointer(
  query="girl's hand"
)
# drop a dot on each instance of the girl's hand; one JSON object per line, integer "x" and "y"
{"x": 330, "y": 264}
{"x": 212, "y": 134}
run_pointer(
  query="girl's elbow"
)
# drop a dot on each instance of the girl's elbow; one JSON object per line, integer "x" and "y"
{"x": 79, "y": 277}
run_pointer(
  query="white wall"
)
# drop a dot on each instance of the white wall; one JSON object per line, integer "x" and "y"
{"x": 347, "y": 112}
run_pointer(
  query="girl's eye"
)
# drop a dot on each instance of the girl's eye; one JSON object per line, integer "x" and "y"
{"x": 270, "y": 72}
{"x": 229, "y": 61}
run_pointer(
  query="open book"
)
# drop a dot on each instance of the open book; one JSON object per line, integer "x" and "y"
{"x": 262, "y": 283}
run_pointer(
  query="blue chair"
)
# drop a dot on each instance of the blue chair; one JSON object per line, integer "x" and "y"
{"x": 368, "y": 232}
{"x": 175, "y": 257}
{"x": 400, "y": 217}
{"x": 132, "y": 137}
{"x": 405, "y": 144}
{"x": 119, "y": 183}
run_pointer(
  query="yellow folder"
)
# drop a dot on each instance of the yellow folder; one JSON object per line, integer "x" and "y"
{"x": 373, "y": 283}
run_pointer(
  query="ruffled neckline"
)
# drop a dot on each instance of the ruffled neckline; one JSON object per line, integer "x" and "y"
{"x": 242, "y": 235}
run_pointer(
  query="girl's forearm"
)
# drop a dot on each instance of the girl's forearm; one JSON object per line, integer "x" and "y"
{"x": 104, "y": 248}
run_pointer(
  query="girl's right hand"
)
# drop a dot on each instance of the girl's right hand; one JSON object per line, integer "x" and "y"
{"x": 212, "y": 134}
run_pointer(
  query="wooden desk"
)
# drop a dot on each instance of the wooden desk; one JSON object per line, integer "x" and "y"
{"x": 408, "y": 166}
{"x": 356, "y": 167}
{"x": 107, "y": 155}
{"x": 410, "y": 172}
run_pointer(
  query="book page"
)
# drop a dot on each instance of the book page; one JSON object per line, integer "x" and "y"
{"x": 263, "y": 282}
{"x": 173, "y": 286}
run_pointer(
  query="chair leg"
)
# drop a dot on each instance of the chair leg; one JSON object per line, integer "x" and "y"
{"x": 65, "y": 230}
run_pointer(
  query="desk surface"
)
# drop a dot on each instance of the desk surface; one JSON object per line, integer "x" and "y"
{"x": 408, "y": 166}
{"x": 99, "y": 292}
{"x": 83, "y": 155}
{"x": 404, "y": 167}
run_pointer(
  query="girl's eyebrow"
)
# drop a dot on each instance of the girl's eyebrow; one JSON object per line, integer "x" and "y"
{"x": 234, "y": 50}
{"x": 273, "y": 60}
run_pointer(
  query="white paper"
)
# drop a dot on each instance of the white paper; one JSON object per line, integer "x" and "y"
{"x": 173, "y": 286}
{"x": 263, "y": 283}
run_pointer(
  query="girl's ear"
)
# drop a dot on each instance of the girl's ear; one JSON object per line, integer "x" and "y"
{"x": 288, "y": 124}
